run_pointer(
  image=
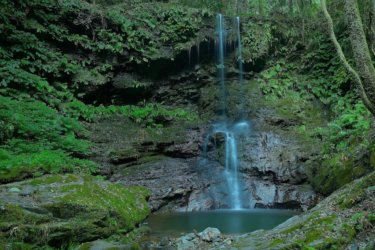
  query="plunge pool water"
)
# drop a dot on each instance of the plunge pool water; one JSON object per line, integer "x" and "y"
{"x": 227, "y": 221}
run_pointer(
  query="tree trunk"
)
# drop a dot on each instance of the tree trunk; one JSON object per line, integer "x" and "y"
{"x": 369, "y": 103}
{"x": 360, "y": 48}
{"x": 372, "y": 27}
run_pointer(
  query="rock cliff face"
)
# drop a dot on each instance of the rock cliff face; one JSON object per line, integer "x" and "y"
{"x": 273, "y": 160}
{"x": 167, "y": 160}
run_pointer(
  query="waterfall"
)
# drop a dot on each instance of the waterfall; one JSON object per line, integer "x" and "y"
{"x": 240, "y": 66}
{"x": 221, "y": 53}
{"x": 230, "y": 131}
{"x": 231, "y": 170}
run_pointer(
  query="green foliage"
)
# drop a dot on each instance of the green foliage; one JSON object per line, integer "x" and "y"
{"x": 52, "y": 52}
{"x": 151, "y": 115}
{"x": 34, "y": 122}
{"x": 256, "y": 40}
{"x": 350, "y": 127}
{"x": 14, "y": 167}
{"x": 328, "y": 79}
{"x": 215, "y": 6}
{"x": 279, "y": 78}
{"x": 345, "y": 136}
{"x": 153, "y": 26}
{"x": 33, "y": 58}
{"x": 36, "y": 139}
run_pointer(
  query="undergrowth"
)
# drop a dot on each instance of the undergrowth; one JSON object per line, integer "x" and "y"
{"x": 318, "y": 79}
{"x": 53, "y": 53}
{"x": 149, "y": 115}
{"x": 36, "y": 139}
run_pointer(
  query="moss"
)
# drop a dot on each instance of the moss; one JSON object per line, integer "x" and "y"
{"x": 372, "y": 156}
{"x": 26, "y": 165}
{"x": 118, "y": 156}
{"x": 333, "y": 174}
{"x": 81, "y": 208}
{"x": 276, "y": 242}
{"x": 19, "y": 246}
{"x": 123, "y": 201}
{"x": 293, "y": 228}
{"x": 47, "y": 180}
{"x": 55, "y": 179}
{"x": 371, "y": 218}
{"x": 13, "y": 215}
{"x": 347, "y": 231}
{"x": 21, "y": 226}
{"x": 313, "y": 235}
{"x": 357, "y": 192}
{"x": 151, "y": 158}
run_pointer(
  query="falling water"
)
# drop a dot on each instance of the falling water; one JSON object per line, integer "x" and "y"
{"x": 229, "y": 130}
{"x": 240, "y": 66}
{"x": 231, "y": 165}
{"x": 231, "y": 170}
{"x": 231, "y": 133}
{"x": 221, "y": 53}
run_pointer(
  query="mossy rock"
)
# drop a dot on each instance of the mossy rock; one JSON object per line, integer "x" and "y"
{"x": 337, "y": 171}
{"x": 58, "y": 209}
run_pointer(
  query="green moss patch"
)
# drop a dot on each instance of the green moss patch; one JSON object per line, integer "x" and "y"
{"x": 69, "y": 208}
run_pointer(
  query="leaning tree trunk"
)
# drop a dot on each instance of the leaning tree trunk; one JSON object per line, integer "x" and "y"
{"x": 360, "y": 48}
{"x": 365, "y": 77}
{"x": 372, "y": 27}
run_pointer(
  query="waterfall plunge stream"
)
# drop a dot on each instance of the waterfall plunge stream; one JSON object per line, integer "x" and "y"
{"x": 225, "y": 194}
{"x": 229, "y": 130}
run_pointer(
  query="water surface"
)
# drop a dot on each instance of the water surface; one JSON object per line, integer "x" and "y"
{"x": 227, "y": 221}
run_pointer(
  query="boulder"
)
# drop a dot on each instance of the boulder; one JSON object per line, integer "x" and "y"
{"x": 104, "y": 245}
{"x": 68, "y": 208}
{"x": 170, "y": 180}
{"x": 210, "y": 234}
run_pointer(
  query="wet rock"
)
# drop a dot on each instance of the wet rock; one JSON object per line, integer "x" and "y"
{"x": 210, "y": 238}
{"x": 266, "y": 194}
{"x": 104, "y": 245}
{"x": 210, "y": 234}
{"x": 14, "y": 190}
{"x": 188, "y": 242}
{"x": 189, "y": 147}
{"x": 27, "y": 191}
{"x": 199, "y": 201}
{"x": 281, "y": 122}
{"x": 274, "y": 158}
{"x": 170, "y": 180}
{"x": 122, "y": 156}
